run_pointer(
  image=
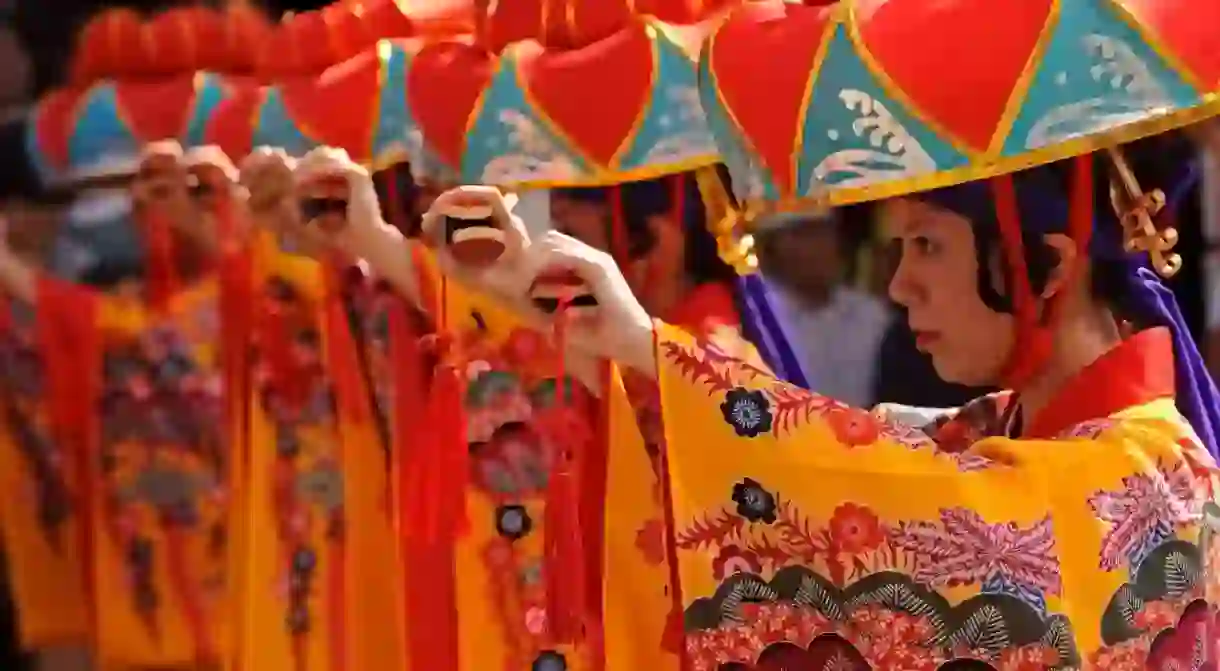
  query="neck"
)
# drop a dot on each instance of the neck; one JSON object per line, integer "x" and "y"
{"x": 663, "y": 296}
{"x": 1078, "y": 343}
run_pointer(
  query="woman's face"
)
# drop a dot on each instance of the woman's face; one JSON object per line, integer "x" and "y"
{"x": 582, "y": 220}
{"x": 936, "y": 280}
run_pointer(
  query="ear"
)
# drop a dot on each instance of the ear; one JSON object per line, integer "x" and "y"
{"x": 1069, "y": 259}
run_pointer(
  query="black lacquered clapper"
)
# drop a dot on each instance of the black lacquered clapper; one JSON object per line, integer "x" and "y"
{"x": 554, "y": 288}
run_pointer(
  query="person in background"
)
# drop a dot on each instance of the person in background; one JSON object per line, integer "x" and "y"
{"x": 808, "y": 260}
{"x": 657, "y": 231}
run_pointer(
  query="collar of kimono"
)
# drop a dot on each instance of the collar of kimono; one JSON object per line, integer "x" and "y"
{"x": 1138, "y": 371}
{"x": 706, "y": 306}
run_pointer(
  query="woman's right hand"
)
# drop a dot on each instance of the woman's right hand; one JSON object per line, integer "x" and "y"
{"x": 328, "y": 202}
{"x": 505, "y": 276}
{"x": 267, "y": 175}
{"x": 161, "y": 184}
{"x": 616, "y": 328}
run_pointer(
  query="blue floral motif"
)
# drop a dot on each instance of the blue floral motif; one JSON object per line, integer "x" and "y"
{"x": 998, "y": 583}
{"x": 748, "y": 412}
{"x": 1160, "y": 532}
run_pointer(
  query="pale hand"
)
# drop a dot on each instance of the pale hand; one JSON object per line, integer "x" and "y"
{"x": 335, "y": 206}
{"x": 618, "y": 327}
{"x": 266, "y": 175}
{"x": 508, "y": 278}
{"x": 505, "y": 278}
{"x": 331, "y": 175}
{"x": 161, "y": 183}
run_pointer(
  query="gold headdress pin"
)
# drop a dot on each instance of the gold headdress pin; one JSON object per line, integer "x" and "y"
{"x": 727, "y": 224}
{"x": 1137, "y": 213}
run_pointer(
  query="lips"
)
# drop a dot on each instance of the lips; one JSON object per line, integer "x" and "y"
{"x": 924, "y": 339}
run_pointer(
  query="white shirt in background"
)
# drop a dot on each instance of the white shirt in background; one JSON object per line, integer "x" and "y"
{"x": 837, "y": 343}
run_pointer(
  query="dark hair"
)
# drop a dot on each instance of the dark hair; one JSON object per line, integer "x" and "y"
{"x": 644, "y": 200}
{"x": 1043, "y": 197}
{"x": 398, "y": 181}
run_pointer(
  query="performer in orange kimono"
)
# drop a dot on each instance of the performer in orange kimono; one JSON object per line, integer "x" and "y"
{"x": 502, "y": 476}
{"x": 132, "y": 393}
{"x": 321, "y": 581}
{"x": 1069, "y": 524}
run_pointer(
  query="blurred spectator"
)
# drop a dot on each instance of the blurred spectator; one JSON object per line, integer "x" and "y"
{"x": 834, "y": 327}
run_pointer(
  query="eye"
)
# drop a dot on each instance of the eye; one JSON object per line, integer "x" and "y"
{"x": 924, "y": 246}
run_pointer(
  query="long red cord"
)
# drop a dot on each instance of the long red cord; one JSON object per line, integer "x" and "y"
{"x": 1034, "y": 330}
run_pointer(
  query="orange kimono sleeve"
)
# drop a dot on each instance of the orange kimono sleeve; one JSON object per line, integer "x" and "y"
{"x": 637, "y": 575}
{"x": 320, "y": 566}
{"x": 42, "y": 514}
{"x": 809, "y": 534}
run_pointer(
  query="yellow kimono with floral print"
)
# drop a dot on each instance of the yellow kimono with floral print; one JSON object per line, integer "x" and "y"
{"x": 40, "y": 511}
{"x": 320, "y": 573}
{"x": 159, "y": 498}
{"x": 510, "y": 377}
{"x": 812, "y": 535}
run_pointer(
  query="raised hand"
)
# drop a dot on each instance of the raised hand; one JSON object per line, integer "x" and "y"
{"x": 211, "y": 176}
{"x": 326, "y": 202}
{"x": 602, "y": 317}
{"x": 267, "y": 175}
{"x": 480, "y": 243}
{"x": 18, "y": 279}
{"x": 336, "y": 197}
{"x": 161, "y": 184}
{"x": 212, "y": 182}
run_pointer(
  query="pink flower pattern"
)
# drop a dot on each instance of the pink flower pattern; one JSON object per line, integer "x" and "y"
{"x": 1171, "y": 496}
{"x": 964, "y": 549}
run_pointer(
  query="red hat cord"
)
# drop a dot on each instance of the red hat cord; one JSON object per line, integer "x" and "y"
{"x": 235, "y": 305}
{"x": 620, "y": 243}
{"x": 1034, "y": 326}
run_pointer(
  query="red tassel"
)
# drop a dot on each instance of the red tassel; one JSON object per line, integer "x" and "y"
{"x": 564, "y": 567}
{"x": 433, "y": 493}
{"x": 236, "y": 315}
{"x": 593, "y": 483}
{"x": 565, "y": 562}
{"x": 161, "y": 277}
{"x": 453, "y": 453}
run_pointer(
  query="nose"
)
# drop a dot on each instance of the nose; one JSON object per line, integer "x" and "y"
{"x": 903, "y": 288}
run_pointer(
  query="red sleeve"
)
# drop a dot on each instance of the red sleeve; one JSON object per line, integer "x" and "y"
{"x": 69, "y": 342}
